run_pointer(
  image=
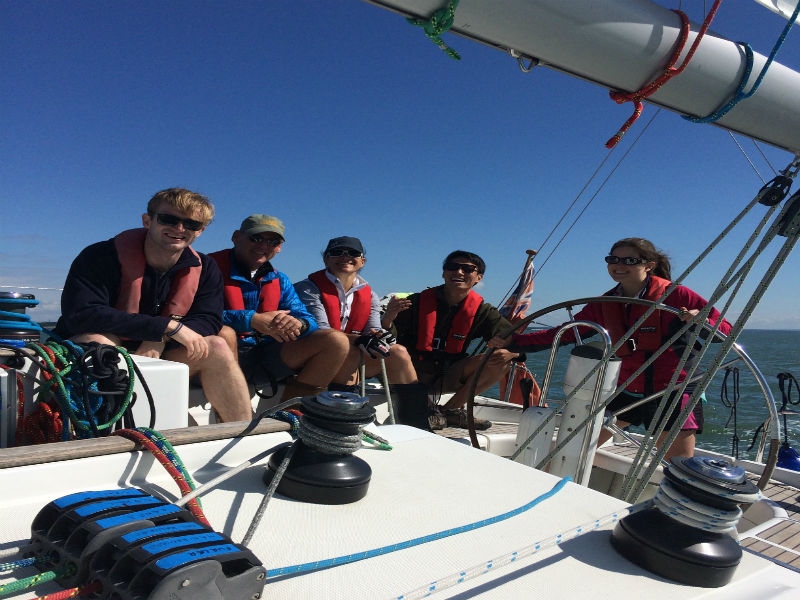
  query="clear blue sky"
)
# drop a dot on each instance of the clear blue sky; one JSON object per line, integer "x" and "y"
{"x": 342, "y": 119}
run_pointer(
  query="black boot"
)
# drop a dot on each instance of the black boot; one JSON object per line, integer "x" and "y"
{"x": 412, "y": 406}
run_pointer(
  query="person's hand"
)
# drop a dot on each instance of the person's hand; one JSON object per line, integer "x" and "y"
{"x": 150, "y": 349}
{"x": 397, "y": 305}
{"x": 196, "y": 345}
{"x": 500, "y": 358}
{"x": 498, "y": 342}
{"x": 278, "y": 324}
{"x": 687, "y": 315}
{"x": 372, "y": 345}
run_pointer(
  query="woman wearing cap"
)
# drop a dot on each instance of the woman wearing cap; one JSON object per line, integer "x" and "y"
{"x": 339, "y": 298}
{"x": 641, "y": 271}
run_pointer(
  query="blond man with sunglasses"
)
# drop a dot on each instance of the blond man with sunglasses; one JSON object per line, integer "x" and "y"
{"x": 148, "y": 290}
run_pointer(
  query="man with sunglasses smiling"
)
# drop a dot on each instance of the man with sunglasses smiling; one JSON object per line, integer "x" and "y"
{"x": 150, "y": 291}
{"x": 438, "y": 326}
{"x": 278, "y": 338}
{"x": 340, "y": 299}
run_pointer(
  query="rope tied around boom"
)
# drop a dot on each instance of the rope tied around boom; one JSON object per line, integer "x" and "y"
{"x": 438, "y": 23}
{"x": 740, "y": 94}
{"x": 669, "y": 71}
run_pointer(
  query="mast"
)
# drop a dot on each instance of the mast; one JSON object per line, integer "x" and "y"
{"x": 623, "y": 45}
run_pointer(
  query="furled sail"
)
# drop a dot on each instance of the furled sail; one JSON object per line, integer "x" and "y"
{"x": 623, "y": 45}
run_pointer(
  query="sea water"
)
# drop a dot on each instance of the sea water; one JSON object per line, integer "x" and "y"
{"x": 772, "y": 351}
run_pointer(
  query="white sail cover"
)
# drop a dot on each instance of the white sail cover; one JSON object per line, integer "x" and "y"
{"x": 623, "y": 45}
{"x": 784, "y": 8}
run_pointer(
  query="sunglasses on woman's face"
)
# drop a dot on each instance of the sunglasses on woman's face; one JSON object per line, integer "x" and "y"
{"x": 625, "y": 260}
{"x": 342, "y": 251}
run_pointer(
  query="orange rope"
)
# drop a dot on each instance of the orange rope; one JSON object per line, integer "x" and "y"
{"x": 668, "y": 72}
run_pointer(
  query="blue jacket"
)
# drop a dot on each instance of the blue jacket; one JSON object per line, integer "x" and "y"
{"x": 241, "y": 320}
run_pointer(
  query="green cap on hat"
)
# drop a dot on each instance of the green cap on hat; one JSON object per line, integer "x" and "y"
{"x": 260, "y": 223}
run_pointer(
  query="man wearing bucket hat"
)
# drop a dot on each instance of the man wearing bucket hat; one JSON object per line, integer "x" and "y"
{"x": 149, "y": 290}
{"x": 277, "y": 336}
{"x": 340, "y": 299}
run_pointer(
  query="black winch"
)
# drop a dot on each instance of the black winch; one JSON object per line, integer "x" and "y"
{"x": 323, "y": 468}
{"x": 688, "y": 535}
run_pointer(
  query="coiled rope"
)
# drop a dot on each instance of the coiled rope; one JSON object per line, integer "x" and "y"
{"x": 86, "y": 386}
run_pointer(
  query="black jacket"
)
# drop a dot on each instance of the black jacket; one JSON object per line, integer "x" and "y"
{"x": 92, "y": 285}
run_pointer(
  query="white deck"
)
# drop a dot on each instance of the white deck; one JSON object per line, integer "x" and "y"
{"x": 425, "y": 485}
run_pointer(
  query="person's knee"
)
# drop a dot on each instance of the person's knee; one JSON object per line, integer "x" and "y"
{"x": 399, "y": 353}
{"x": 230, "y": 336}
{"x": 332, "y": 340}
{"x": 219, "y": 350}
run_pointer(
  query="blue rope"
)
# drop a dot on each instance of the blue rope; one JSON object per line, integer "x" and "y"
{"x": 287, "y": 417}
{"x": 18, "y": 564}
{"x": 740, "y": 93}
{"x": 350, "y": 558}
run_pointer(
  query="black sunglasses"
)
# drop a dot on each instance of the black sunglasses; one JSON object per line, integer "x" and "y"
{"x": 625, "y": 260}
{"x": 172, "y": 221}
{"x": 454, "y": 266}
{"x": 342, "y": 251}
{"x": 271, "y": 241}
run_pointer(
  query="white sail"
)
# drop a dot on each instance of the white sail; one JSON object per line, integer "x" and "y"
{"x": 623, "y": 45}
{"x": 784, "y": 8}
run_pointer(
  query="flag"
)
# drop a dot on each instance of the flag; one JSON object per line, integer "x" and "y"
{"x": 519, "y": 301}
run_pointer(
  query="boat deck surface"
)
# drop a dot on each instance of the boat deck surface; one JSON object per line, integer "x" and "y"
{"x": 778, "y": 541}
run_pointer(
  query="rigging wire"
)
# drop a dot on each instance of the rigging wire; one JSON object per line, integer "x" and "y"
{"x": 596, "y": 193}
{"x": 747, "y": 158}
{"x": 764, "y": 156}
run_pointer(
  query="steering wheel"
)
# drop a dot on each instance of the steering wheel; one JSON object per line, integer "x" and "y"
{"x": 774, "y": 443}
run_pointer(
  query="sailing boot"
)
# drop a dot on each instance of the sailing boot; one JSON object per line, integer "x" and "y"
{"x": 412, "y": 406}
{"x": 297, "y": 389}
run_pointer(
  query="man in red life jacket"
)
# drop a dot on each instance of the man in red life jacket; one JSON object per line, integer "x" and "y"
{"x": 149, "y": 290}
{"x": 265, "y": 318}
{"x": 340, "y": 299}
{"x": 437, "y": 326}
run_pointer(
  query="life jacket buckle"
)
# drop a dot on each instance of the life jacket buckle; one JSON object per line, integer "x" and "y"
{"x": 632, "y": 344}
{"x": 436, "y": 344}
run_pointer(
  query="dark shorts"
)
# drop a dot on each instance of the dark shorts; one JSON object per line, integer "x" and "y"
{"x": 443, "y": 379}
{"x": 262, "y": 364}
{"x": 644, "y": 415}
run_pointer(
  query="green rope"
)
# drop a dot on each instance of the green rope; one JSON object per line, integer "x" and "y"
{"x": 33, "y": 580}
{"x": 440, "y": 21}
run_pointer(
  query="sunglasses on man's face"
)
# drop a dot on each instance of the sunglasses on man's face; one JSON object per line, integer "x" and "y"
{"x": 344, "y": 251}
{"x": 454, "y": 266}
{"x": 269, "y": 241}
{"x": 626, "y": 260}
{"x": 172, "y": 221}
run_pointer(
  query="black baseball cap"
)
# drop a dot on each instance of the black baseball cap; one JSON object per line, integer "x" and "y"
{"x": 345, "y": 242}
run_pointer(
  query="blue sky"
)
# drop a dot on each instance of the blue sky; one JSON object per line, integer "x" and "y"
{"x": 342, "y": 119}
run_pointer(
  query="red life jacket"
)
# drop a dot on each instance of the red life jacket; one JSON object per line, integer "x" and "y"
{"x": 459, "y": 329}
{"x": 649, "y": 336}
{"x": 359, "y": 310}
{"x": 130, "y": 252}
{"x": 269, "y": 296}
